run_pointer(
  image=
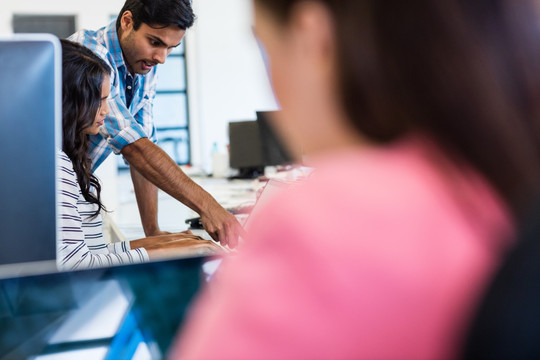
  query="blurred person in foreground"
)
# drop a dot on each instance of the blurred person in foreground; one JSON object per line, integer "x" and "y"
{"x": 422, "y": 121}
{"x": 80, "y": 245}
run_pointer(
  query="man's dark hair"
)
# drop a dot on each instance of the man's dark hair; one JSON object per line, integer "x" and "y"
{"x": 159, "y": 13}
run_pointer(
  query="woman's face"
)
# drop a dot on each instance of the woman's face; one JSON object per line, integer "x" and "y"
{"x": 103, "y": 108}
{"x": 301, "y": 54}
{"x": 275, "y": 40}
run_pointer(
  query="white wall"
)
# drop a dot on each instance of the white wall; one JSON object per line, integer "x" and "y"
{"x": 226, "y": 76}
{"x": 89, "y": 14}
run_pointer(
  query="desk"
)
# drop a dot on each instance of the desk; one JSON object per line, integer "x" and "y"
{"x": 172, "y": 213}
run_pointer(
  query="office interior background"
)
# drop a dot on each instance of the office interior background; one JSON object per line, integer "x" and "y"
{"x": 216, "y": 77}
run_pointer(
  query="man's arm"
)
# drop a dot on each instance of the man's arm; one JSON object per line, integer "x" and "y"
{"x": 146, "y": 194}
{"x": 157, "y": 167}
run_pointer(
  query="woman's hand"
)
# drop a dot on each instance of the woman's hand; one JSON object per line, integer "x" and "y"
{"x": 161, "y": 239}
{"x": 192, "y": 246}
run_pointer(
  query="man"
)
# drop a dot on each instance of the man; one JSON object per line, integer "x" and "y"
{"x": 144, "y": 33}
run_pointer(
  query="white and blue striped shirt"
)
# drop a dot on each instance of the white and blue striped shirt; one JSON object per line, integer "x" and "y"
{"x": 122, "y": 126}
{"x": 81, "y": 244}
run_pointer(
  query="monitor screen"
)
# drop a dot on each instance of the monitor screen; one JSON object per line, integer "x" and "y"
{"x": 245, "y": 149}
{"x": 123, "y": 312}
{"x": 245, "y": 144}
{"x": 254, "y": 145}
{"x": 274, "y": 152}
{"x": 30, "y": 108}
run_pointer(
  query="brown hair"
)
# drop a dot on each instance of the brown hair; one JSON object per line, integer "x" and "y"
{"x": 83, "y": 73}
{"x": 467, "y": 73}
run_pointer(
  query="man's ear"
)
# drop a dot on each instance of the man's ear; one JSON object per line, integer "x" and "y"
{"x": 126, "y": 21}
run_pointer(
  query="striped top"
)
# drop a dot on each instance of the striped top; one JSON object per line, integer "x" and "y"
{"x": 123, "y": 125}
{"x": 81, "y": 244}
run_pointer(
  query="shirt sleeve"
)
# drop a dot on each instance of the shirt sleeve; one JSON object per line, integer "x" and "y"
{"x": 119, "y": 247}
{"x": 121, "y": 127}
{"x": 72, "y": 249}
{"x": 145, "y": 116}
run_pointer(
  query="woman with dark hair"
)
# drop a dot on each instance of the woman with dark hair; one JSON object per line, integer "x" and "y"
{"x": 422, "y": 121}
{"x": 86, "y": 87}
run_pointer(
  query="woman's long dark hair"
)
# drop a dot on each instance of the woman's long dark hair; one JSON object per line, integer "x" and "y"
{"x": 465, "y": 72}
{"x": 83, "y": 73}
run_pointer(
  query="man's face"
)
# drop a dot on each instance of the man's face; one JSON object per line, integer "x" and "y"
{"x": 146, "y": 47}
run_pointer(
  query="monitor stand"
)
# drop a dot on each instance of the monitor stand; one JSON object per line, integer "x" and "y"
{"x": 249, "y": 172}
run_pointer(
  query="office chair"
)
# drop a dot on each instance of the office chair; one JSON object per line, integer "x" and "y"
{"x": 507, "y": 324}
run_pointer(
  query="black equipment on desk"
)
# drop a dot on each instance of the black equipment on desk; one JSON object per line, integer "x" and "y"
{"x": 254, "y": 145}
{"x": 273, "y": 150}
{"x": 196, "y": 223}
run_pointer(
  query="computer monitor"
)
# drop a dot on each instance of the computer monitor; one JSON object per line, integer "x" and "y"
{"x": 30, "y": 118}
{"x": 273, "y": 149}
{"x": 254, "y": 145}
{"x": 122, "y": 312}
{"x": 245, "y": 149}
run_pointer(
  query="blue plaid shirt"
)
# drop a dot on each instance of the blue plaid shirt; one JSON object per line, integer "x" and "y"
{"x": 123, "y": 125}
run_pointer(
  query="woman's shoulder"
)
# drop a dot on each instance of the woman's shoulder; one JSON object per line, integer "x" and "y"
{"x": 65, "y": 166}
{"x": 412, "y": 170}
{"x": 401, "y": 185}
{"x": 63, "y": 158}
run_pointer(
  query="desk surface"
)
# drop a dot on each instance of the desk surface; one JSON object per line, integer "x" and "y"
{"x": 172, "y": 213}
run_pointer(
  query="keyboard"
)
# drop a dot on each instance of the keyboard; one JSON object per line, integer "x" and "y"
{"x": 195, "y": 223}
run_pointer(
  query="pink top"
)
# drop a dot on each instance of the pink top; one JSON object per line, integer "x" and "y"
{"x": 381, "y": 254}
